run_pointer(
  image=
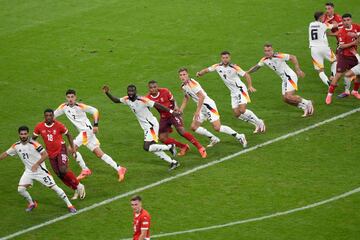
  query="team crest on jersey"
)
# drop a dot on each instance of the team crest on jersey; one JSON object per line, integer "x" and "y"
{"x": 54, "y": 131}
{"x": 161, "y": 99}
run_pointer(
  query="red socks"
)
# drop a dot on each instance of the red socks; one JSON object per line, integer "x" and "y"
{"x": 70, "y": 180}
{"x": 192, "y": 139}
{"x": 356, "y": 86}
{"x": 173, "y": 141}
{"x": 332, "y": 89}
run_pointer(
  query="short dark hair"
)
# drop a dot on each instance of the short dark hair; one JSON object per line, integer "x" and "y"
{"x": 183, "y": 69}
{"x": 268, "y": 44}
{"x": 48, "y": 110}
{"x": 224, "y": 53}
{"x": 70, "y": 91}
{"x": 318, "y": 14}
{"x": 136, "y": 198}
{"x": 329, "y": 4}
{"x": 23, "y": 128}
{"x": 152, "y": 82}
{"x": 346, "y": 15}
{"x": 131, "y": 86}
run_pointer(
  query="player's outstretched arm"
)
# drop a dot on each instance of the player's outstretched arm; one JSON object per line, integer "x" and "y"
{"x": 202, "y": 72}
{"x": 4, "y": 155}
{"x": 184, "y": 103}
{"x": 163, "y": 108}
{"x": 298, "y": 70}
{"x": 249, "y": 82}
{"x": 254, "y": 69}
{"x": 349, "y": 45}
{"x": 106, "y": 90}
{"x": 71, "y": 142}
{"x": 44, "y": 155}
{"x": 200, "y": 103}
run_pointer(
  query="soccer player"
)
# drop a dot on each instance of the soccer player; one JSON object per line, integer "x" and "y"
{"x": 230, "y": 73}
{"x": 206, "y": 110}
{"x": 332, "y": 18}
{"x": 76, "y": 113}
{"x": 348, "y": 41}
{"x": 51, "y": 132}
{"x": 142, "y": 220}
{"x": 140, "y": 106}
{"x": 277, "y": 62}
{"x": 33, "y": 155}
{"x": 165, "y": 98}
{"x": 319, "y": 46}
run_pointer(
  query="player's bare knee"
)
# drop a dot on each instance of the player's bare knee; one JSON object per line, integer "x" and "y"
{"x": 193, "y": 127}
{"x": 216, "y": 128}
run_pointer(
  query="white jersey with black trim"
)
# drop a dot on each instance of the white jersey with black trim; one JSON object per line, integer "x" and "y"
{"x": 29, "y": 153}
{"x": 277, "y": 63}
{"x": 317, "y": 34}
{"x": 230, "y": 74}
{"x": 77, "y": 115}
{"x": 191, "y": 88}
{"x": 141, "y": 108}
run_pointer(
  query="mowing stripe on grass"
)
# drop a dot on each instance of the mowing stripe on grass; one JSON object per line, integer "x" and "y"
{"x": 256, "y": 219}
{"x": 165, "y": 180}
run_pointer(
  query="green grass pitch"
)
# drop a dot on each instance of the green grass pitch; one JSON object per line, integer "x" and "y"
{"x": 49, "y": 46}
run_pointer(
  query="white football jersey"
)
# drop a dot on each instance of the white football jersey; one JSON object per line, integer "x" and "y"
{"x": 77, "y": 115}
{"x": 29, "y": 153}
{"x": 230, "y": 74}
{"x": 317, "y": 34}
{"x": 191, "y": 88}
{"x": 141, "y": 108}
{"x": 277, "y": 63}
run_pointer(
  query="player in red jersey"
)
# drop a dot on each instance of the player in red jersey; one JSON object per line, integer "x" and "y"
{"x": 142, "y": 220}
{"x": 348, "y": 41}
{"x": 332, "y": 17}
{"x": 51, "y": 132}
{"x": 165, "y": 98}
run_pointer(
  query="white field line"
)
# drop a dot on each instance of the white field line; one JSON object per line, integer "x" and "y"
{"x": 256, "y": 219}
{"x": 165, "y": 180}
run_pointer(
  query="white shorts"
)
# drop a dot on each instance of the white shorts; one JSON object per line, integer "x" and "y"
{"x": 356, "y": 70}
{"x": 87, "y": 138}
{"x": 240, "y": 97}
{"x": 318, "y": 55}
{"x": 289, "y": 81}
{"x": 42, "y": 176}
{"x": 151, "y": 133}
{"x": 209, "y": 112}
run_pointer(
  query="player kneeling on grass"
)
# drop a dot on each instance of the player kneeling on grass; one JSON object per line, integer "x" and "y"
{"x": 206, "y": 110}
{"x": 33, "y": 156}
{"x": 277, "y": 62}
{"x": 140, "y": 106}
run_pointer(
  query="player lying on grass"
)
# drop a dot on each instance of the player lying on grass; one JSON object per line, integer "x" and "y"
{"x": 164, "y": 97}
{"x": 33, "y": 155}
{"x": 76, "y": 113}
{"x": 51, "y": 132}
{"x": 230, "y": 73}
{"x": 206, "y": 110}
{"x": 277, "y": 62}
{"x": 140, "y": 106}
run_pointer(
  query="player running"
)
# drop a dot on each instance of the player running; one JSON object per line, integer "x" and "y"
{"x": 230, "y": 73}
{"x": 51, "y": 132}
{"x": 206, "y": 110}
{"x": 142, "y": 220}
{"x": 76, "y": 113}
{"x": 140, "y": 106}
{"x": 348, "y": 41}
{"x": 319, "y": 46}
{"x": 164, "y": 97}
{"x": 277, "y": 62}
{"x": 33, "y": 155}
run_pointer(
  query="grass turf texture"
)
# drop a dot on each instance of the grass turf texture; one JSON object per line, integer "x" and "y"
{"x": 48, "y": 47}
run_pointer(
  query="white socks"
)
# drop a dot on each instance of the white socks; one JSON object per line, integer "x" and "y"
{"x": 79, "y": 159}
{"x": 106, "y": 158}
{"x": 204, "y": 132}
{"x": 61, "y": 195}
{"x": 303, "y": 103}
{"x": 333, "y": 68}
{"x": 23, "y": 192}
{"x": 347, "y": 82}
{"x": 324, "y": 78}
{"x": 249, "y": 116}
{"x": 163, "y": 156}
{"x": 227, "y": 130}
{"x": 159, "y": 147}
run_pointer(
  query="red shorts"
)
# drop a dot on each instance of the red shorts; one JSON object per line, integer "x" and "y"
{"x": 166, "y": 123}
{"x": 60, "y": 160}
{"x": 345, "y": 63}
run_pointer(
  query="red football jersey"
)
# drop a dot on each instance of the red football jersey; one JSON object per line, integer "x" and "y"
{"x": 344, "y": 38}
{"x": 52, "y": 136}
{"x": 335, "y": 18}
{"x": 141, "y": 222}
{"x": 165, "y": 98}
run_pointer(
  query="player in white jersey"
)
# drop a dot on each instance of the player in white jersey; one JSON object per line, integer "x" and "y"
{"x": 140, "y": 106}
{"x": 33, "y": 155}
{"x": 76, "y": 113}
{"x": 277, "y": 63}
{"x": 230, "y": 73}
{"x": 206, "y": 110}
{"x": 319, "y": 46}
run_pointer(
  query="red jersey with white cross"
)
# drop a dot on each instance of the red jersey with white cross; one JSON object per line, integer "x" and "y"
{"x": 141, "y": 222}
{"x": 165, "y": 98}
{"x": 52, "y": 136}
{"x": 344, "y": 38}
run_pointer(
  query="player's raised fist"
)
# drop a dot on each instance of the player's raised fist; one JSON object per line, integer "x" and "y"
{"x": 105, "y": 89}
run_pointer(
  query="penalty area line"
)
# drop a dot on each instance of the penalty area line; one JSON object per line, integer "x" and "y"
{"x": 165, "y": 180}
